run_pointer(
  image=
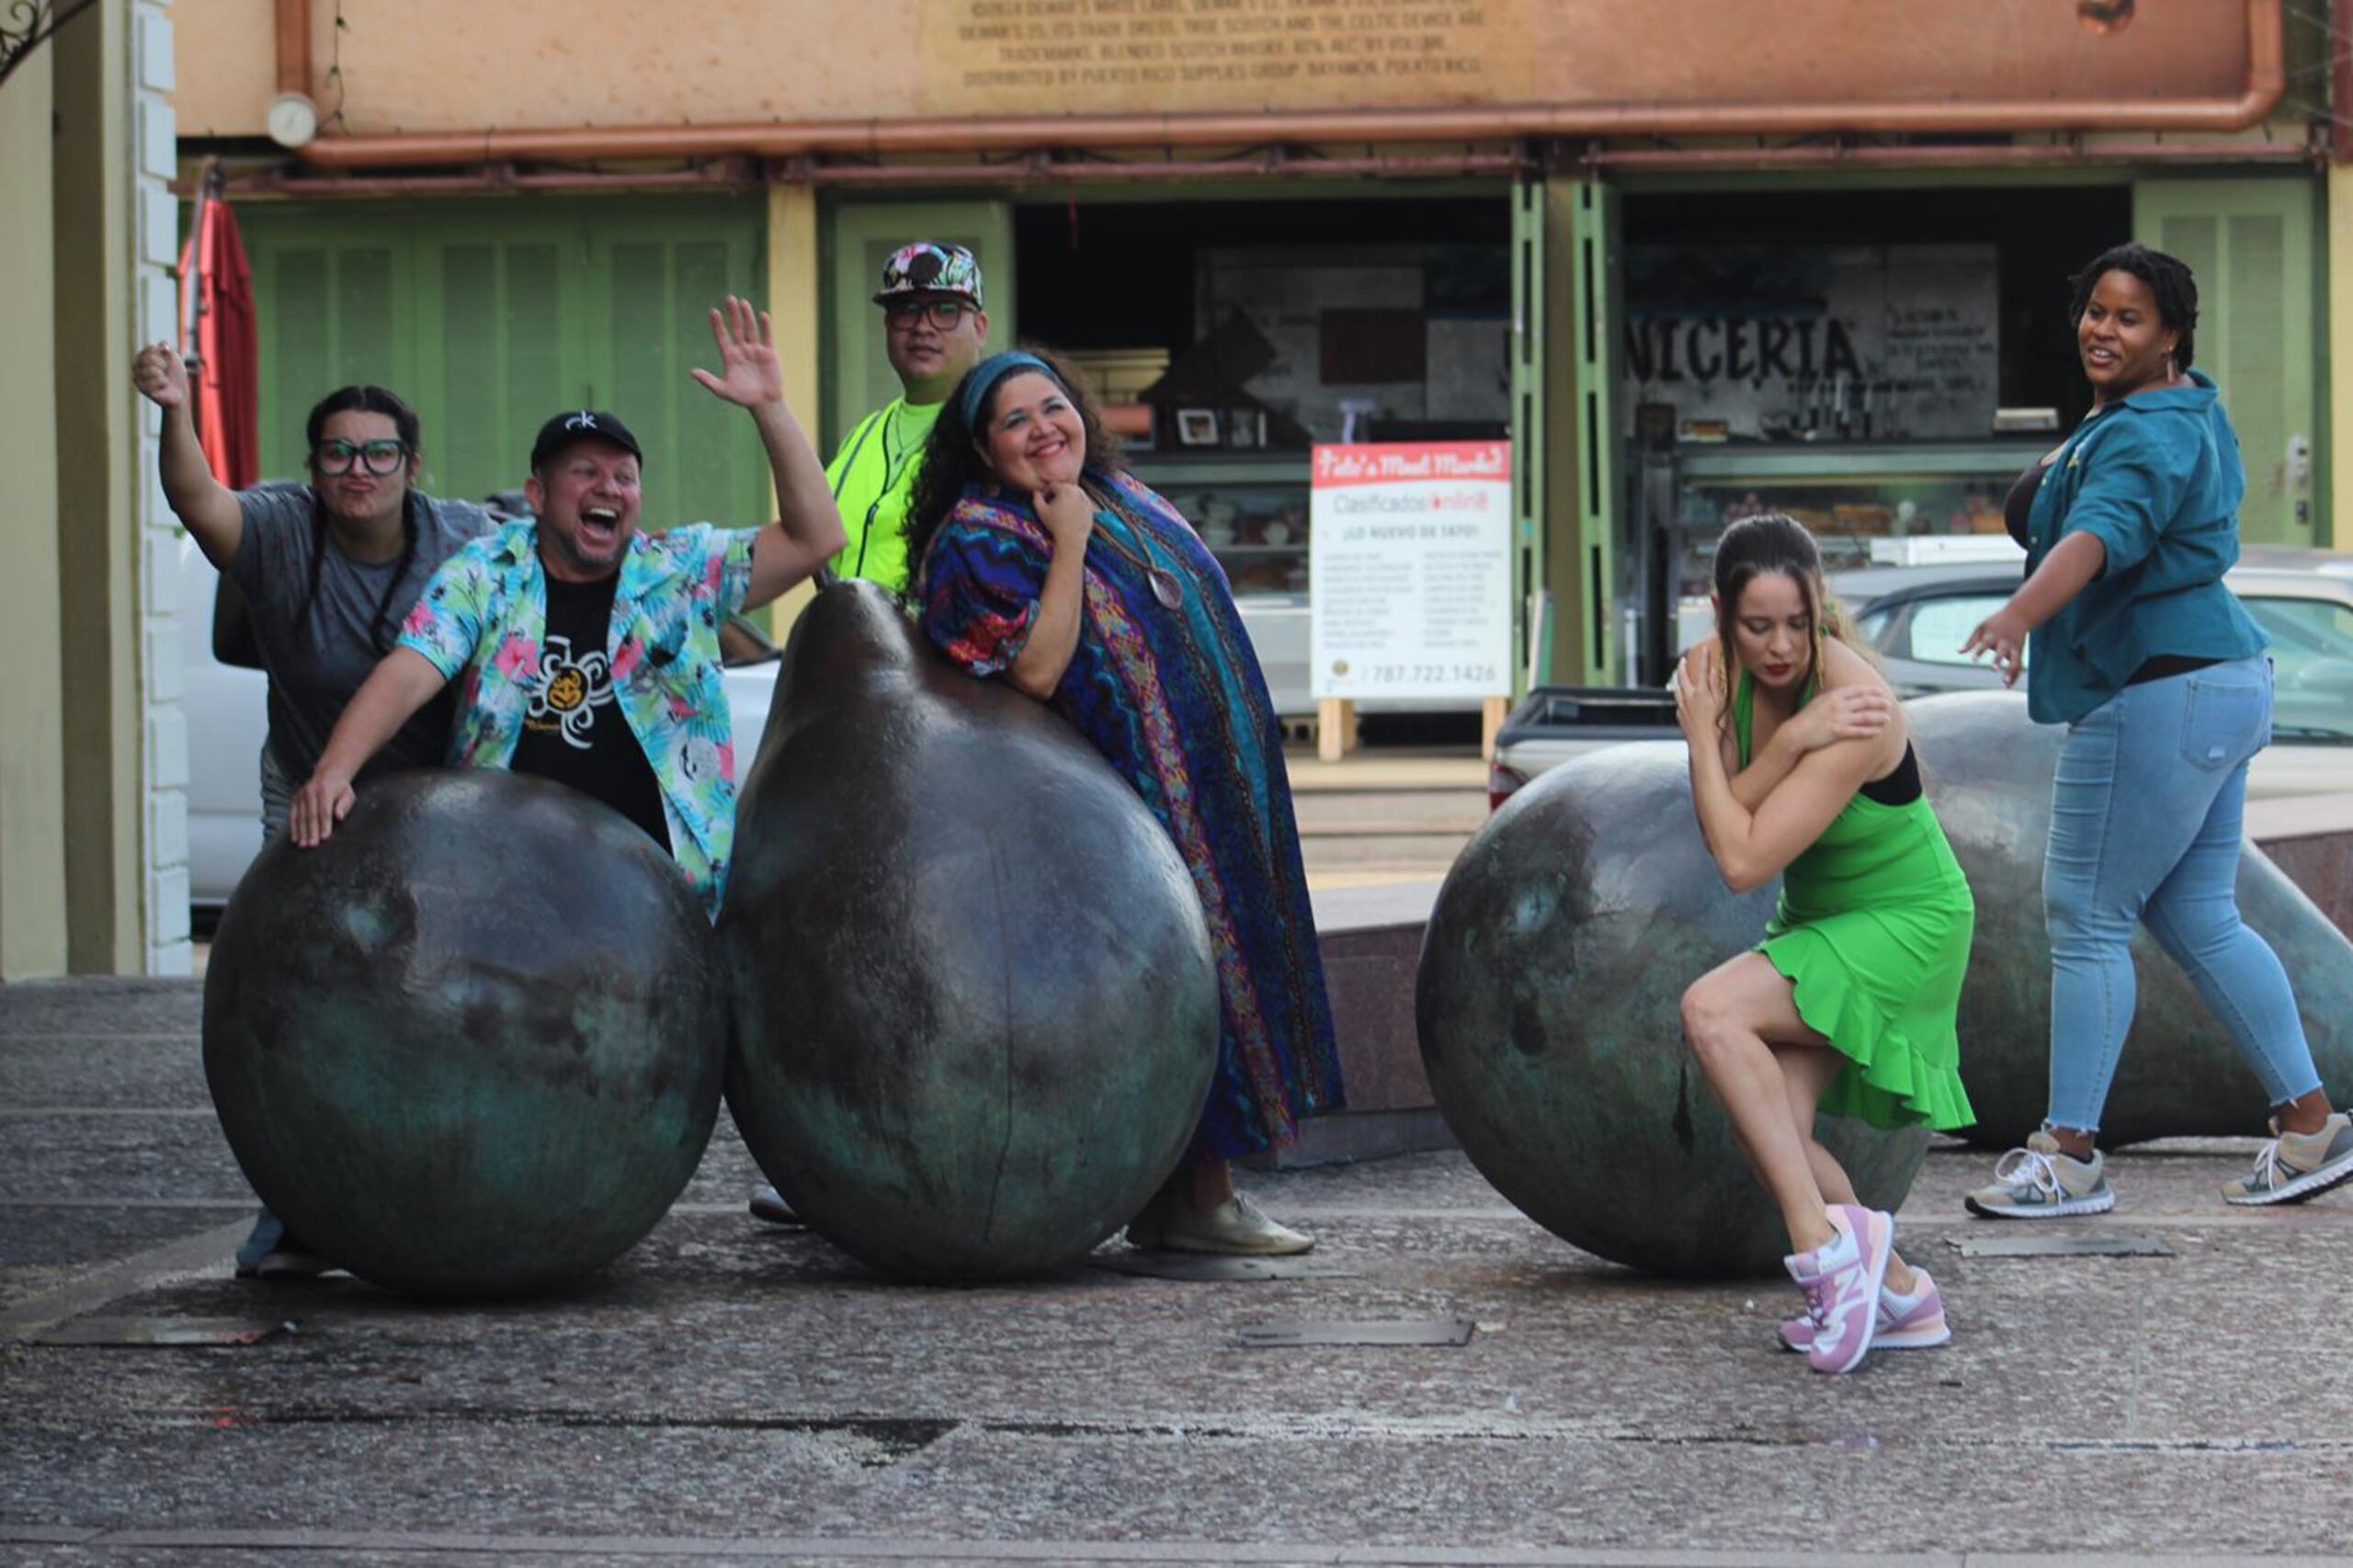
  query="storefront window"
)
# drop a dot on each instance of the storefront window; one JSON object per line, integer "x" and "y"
{"x": 1229, "y": 338}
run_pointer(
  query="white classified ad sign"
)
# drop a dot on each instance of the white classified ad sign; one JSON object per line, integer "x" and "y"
{"x": 1409, "y": 579}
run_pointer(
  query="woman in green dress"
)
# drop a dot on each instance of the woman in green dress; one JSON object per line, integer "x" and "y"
{"x": 1803, "y": 768}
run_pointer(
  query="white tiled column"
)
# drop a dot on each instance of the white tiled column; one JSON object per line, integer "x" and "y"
{"x": 155, "y": 294}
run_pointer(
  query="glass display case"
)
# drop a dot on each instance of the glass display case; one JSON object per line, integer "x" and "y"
{"x": 1848, "y": 493}
{"x": 1252, "y": 513}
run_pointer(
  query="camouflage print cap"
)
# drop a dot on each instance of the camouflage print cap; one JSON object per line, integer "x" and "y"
{"x": 930, "y": 267}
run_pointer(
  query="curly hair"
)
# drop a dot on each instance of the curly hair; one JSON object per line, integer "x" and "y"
{"x": 953, "y": 462}
{"x": 2169, "y": 277}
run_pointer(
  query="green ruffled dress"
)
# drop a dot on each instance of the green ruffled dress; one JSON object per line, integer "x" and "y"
{"x": 1873, "y": 931}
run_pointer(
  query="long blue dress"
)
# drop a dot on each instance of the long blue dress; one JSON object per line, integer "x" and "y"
{"x": 1175, "y": 702}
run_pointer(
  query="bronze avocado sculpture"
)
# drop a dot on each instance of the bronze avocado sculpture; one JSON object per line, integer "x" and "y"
{"x": 1548, "y": 1006}
{"x": 472, "y": 1046}
{"x": 974, "y": 1017}
{"x": 1989, "y": 769}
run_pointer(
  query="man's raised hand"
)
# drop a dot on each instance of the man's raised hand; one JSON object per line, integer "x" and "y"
{"x": 750, "y": 374}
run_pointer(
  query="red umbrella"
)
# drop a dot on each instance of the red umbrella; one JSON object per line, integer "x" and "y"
{"x": 219, "y": 339}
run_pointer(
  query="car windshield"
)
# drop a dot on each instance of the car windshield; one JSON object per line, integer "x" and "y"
{"x": 1941, "y": 625}
{"x": 2312, "y": 658}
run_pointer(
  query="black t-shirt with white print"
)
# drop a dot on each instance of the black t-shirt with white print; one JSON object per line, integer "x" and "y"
{"x": 574, "y": 730}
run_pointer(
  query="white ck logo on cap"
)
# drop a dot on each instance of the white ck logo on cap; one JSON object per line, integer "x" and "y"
{"x": 583, "y": 420}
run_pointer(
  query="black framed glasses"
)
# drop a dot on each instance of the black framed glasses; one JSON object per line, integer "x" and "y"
{"x": 375, "y": 456}
{"x": 943, "y": 313}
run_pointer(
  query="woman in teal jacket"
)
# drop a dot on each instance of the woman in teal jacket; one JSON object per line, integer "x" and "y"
{"x": 2159, "y": 675}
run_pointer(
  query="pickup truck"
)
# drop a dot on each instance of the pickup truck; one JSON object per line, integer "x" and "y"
{"x": 1554, "y": 723}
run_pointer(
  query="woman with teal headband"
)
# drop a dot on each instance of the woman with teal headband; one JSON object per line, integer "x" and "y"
{"x": 1035, "y": 559}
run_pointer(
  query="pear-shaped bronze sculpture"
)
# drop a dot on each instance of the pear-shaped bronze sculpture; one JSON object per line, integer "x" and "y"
{"x": 471, "y": 1045}
{"x": 1989, "y": 768}
{"x": 974, "y": 1015}
{"x": 1548, "y": 1004}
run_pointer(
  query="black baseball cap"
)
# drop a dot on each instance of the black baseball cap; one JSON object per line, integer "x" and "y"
{"x": 565, "y": 428}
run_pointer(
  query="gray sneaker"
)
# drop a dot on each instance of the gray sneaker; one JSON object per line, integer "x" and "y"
{"x": 2040, "y": 1182}
{"x": 2297, "y": 1165}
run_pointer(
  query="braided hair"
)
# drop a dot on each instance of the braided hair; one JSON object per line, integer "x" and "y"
{"x": 363, "y": 399}
{"x": 2169, "y": 277}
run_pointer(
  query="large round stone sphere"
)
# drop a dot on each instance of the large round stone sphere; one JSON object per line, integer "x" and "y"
{"x": 975, "y": 1016}
{"x": 473, "y": 1045}
{"x": 1989, "y": 769}
{"x": 1549, "y": 1007}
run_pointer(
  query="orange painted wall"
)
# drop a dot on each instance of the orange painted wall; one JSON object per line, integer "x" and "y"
{"x": 461, "y": 64}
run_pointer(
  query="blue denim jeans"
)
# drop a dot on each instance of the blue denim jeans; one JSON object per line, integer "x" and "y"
{"x": 2146, "y": 816}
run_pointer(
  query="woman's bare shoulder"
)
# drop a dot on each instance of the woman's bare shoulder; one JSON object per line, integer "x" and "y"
{"x": 1841, "y": 666}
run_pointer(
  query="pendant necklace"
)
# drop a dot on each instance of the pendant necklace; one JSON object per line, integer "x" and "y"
{"x": 1163, "y": 582}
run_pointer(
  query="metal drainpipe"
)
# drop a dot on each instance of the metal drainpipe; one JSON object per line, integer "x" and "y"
{"x": 2032, "y": 156}
{"x": 294, "y": 46}
{"x": 740, "y": 174}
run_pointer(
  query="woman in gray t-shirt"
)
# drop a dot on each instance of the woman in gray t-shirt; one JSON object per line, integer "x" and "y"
{"x": 328, "y": 570}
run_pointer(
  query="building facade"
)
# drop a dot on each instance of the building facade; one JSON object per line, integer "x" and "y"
{"x": 1813, "y": 256}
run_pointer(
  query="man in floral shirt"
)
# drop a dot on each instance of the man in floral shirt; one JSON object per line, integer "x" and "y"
{"x": 587, "y": 651}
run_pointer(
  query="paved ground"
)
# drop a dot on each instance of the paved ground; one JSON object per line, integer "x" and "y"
{"x": 733, "y": 1392}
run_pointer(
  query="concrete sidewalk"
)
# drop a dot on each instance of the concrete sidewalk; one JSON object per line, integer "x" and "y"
{"x": 734, "y": 1392}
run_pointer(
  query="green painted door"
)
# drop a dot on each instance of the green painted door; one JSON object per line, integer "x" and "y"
{"x": 863, "y": 234}
{"x": 489, "y": 316}
{"x": 2252, "y": 244}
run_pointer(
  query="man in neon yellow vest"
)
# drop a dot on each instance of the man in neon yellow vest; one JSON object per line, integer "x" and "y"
{"x": 934, "y": 330}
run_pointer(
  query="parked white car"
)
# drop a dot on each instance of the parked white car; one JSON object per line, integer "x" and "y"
{"x": 227, "y": 712}
{"x": 1917, "y": 616}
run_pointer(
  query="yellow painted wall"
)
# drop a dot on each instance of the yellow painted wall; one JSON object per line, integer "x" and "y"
{"x": 228, "y": 64}
{"x": 796, "y": 307}
{"x": 96, "y": 457}
{"x": 32, "y": 834}
{"x": 461, "y": 64}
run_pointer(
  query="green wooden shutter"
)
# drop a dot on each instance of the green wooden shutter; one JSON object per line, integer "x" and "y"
{"x": 333, "y": 311}
{"x": 2251, "y": 243}
{"x": 704, "y": 459}
{"x": 859, "y": 377}
{"x": 501, "y": 363}
{"x": 489, "y": 316}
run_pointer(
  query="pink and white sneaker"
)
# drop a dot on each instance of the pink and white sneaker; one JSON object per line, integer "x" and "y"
{"x": 1841, "y": 1280}
{"x": 1905, "y": 1322}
